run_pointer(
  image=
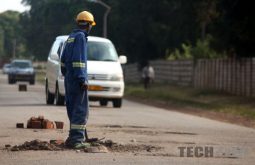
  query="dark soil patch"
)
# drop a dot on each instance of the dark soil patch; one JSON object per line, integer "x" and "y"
{"x": 114, "y": 147}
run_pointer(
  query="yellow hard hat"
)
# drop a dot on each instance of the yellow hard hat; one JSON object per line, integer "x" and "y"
{"x": 86, "y": 16}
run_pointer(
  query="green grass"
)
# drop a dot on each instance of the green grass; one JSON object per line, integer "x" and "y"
{"x": 184, "y": 97}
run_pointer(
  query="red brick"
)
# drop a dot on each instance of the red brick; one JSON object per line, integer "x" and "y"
{"x": 48, "y": 124}
{"x": 33, "y": 119}
{"x": 29, "y": 122}
{"x": 22, "y": 87}
{"x": 20, "y": 125}
{"x": 40, "y": 118}
{"x": 59, "y": 124}
{"x": 36, "y": 124}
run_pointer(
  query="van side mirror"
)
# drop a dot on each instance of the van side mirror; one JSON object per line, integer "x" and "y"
{"x": 122, "y": 59}
{"x": 55, "y": 57}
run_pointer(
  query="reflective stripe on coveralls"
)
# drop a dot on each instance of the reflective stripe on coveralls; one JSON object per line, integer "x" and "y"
{"x": 78, "y": 64}
{"x": 69, "y": 40}
{"x": 78, "y": 127}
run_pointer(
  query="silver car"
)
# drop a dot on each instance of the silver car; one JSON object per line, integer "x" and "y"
{"x": 21, "y": 70}
{"x": 6, "y": 68}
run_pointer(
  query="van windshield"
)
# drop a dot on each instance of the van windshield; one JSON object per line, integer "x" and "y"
{"x": 101, "y": 51}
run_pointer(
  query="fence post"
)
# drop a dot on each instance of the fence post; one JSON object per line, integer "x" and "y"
{"x": 252, "y": 78}
{"x": 231, "y": 76}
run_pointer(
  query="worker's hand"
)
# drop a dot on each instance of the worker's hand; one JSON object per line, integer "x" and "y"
{"x": 84, "y": 86}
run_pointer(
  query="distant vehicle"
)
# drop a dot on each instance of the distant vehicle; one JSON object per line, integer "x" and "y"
{"x": 105, "y": 75}
{"x": 6, "y": 68}
{"x": 21, "y": 70}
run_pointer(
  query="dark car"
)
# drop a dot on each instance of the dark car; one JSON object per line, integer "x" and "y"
{"x": 21, "y": 70}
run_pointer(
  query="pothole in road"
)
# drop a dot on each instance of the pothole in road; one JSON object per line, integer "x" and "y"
{"x": 181, "y": 133}
{"x": 120, "y": 126}
{"x": 170, "y": 142}
{"x": 4, "y": 136}
{"x": 149, "y": 132}
{"x": 142, "y": 130}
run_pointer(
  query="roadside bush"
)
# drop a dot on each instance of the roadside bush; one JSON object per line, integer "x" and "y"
{"x": 202, "y": 50}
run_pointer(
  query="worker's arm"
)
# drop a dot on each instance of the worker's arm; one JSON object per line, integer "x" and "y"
{"x": 79, "y": 59}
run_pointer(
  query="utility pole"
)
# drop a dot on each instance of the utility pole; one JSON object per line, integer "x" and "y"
{"x": 1, "y": 42}
{"x": 108, "y": 9}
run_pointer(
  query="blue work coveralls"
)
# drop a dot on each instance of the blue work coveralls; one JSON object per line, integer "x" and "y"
{"x": 74, "y": 68}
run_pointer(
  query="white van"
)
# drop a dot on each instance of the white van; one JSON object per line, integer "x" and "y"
{"x": 105, "y": 75}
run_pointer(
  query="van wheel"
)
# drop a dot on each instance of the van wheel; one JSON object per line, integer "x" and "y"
{"x": 117, "y": 103}
{"x": 60, "y": 100}
{"x": 103, "y": 102}
{"x": 49, "y": 96}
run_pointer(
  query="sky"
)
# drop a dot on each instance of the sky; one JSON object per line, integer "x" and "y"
{"x": 12, "y": 5}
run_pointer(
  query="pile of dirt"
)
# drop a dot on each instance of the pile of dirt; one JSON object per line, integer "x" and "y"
{"x": 37, "y": 145}
{"x": 96, "y": 147}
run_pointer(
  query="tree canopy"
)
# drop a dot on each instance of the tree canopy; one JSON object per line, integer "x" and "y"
{"x": 10, "y": 37}
{"x": 142, "y": 30}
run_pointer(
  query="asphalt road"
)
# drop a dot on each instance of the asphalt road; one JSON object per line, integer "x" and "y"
{"x": 134, "y": 125}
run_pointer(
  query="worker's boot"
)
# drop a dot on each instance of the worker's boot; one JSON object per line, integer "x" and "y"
{"x": 81, "y": 145}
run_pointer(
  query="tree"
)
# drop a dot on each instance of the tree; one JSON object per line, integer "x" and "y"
{"x": 146, "y": 30}
{"x": 206, "y": 13}
{"x": 1, "y": 42}
{"x": 234, "y": 30}
{"x": 11, "y": 35}
{"x": 46, "y": 20}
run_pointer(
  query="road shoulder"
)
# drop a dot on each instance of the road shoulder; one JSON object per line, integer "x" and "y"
{"x": 219, "y": 116}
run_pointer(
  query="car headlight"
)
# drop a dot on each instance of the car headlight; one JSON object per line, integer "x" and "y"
{"x": 116, "y": 77}
{"x": 30, "y": 71}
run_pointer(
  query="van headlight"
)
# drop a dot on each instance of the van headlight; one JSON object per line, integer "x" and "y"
{"x": 116, "y": 77}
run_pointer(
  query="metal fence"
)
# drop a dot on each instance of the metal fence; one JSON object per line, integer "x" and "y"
{"x": 236, "y": 76}
{"x": 175, "y": 72}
